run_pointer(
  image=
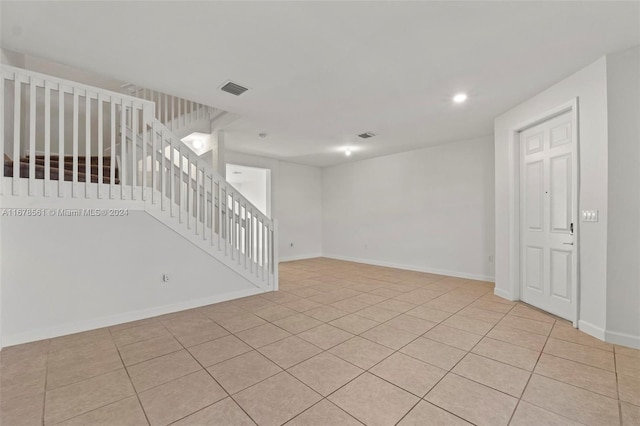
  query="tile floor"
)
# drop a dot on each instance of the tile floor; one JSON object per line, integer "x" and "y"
{"x": 339, "y": 344}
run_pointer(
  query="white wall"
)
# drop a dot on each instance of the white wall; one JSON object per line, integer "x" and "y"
{"x": 590, "y": 86}
{"x": 296, "y": 203}
{"x": 67, "y": 274}
{"x": 623, "y": 245}
{"x": 428, "y": 210}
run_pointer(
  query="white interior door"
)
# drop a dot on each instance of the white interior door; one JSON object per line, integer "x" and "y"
{"x": 548, "y": 197}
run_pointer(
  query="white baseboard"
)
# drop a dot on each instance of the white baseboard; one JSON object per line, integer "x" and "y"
{"x": 591, "y": 329}
{"x": 299, "y": 257}
{"x": 70, "y": 328}
{"x": 504, "y": 294}
{"x": 623, "y": 339}
{"x": 429, "y": 270}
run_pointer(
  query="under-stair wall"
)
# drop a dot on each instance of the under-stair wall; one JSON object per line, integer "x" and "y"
{"x": 142, "y": 168}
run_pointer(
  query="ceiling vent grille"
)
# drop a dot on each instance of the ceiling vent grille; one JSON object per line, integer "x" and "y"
{"x": 366, "y": 135}
{"x": 233, "y": 88}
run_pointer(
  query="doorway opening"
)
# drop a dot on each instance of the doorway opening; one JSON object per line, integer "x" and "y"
{"x": 253, "y": 183}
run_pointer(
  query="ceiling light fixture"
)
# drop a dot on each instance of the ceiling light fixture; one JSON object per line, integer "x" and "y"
{"x": 197, "y": 143}
{"x": 366, "y": 135}
{"x": 348, "y": 152}
{"x": 460, "y": 98}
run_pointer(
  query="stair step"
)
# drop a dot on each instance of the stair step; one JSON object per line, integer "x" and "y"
{"x": 106, "y": 161}
{"x": 68, "y": 165}
{"x": 53, "y": 173}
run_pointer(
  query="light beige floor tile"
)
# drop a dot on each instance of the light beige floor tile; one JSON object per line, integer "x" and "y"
{"x": 377, "y": 313}
{"x": 373, "y": 401}
{"x": 163, "y": 369}
{"x": 577, "y": 374}
{"x": 525, "y": 324}
{"x": 243, "y": 371}
{"x": 471, "y": 325}
{"x": 427, "y": 414}
{"x": 222, "y": 413}
{"x": 290, "y": 351}
{"x": 472, "y": 401}
{"x": 75, "y": 370}
{"x": 297, "y": 323}
{"x": 324, "y": 413}
{"x": 126, "y": 412}
{"x": 429, "y": 314}
{"x": 391, "y": 337}
{"x": 219, "y": 350}
{"x": 302, "y": 305}
{"x": 253, "y": 303}
{"x": 280, "y": 297}
{"x": 326, "y": 313}
{"x": 453, "y": 337}
{"x": 566, "y": 332}
{"x": 17, "y": 384}
{"x": 530, "y": 415}
{"x": 386, "y": 292}
{"x": 623, "y": 350}
{"x": 354, "y": 324}
{"x": 408, "y": 373}
{"x": 177, "y": 399}
{"x": 199, "y": 334}
{"x": 350, "y": 305}
{"x": 274, "y": 313}
{"x": 139, "y": 333}
{"x": 397, "y": 305}
{"x": 533, "y": 314}
{"x": 446, "y": 306}
{"x": 496, "y": 375}
{"x": 277, "y": 399}
{"x": 509, "y": 354}
{"x": 72, "y": 400}
{"x": 491, "y": 306}
{"x": 325, "y": 373}
{"x": 262, "y": 335}
{"x": 481, "y": 314}
{"x": 241, "y": 322}
{"x": 578, "y": 404}
{"x": 629, "y": 388}
{"x": 532, "y": 341}
{"x": 434, "y": 353}
{"x": 325, "y": 336}
{"x": 148, "y": 349}
{"x": 580, "y": 353}
{"x": 361, "y": 352}
{"x": 78, "y": 341}
{"x": 411, "y": 324}
{"x": 628, "y": 365}
{"x": 630, "y": 414}
{"x": 23, "y": 410}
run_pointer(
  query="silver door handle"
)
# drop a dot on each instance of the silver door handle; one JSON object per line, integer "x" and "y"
{"x": 568, "y": 244}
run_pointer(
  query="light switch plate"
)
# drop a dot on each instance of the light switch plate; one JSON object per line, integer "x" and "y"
{"x": 589, "y": 215}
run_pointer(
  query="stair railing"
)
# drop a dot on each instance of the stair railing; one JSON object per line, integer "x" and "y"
{"x": 172, "y": 111}
{"x": 71, "y": 125}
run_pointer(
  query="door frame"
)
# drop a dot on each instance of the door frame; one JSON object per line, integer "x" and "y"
{"x": 514, "y": 196}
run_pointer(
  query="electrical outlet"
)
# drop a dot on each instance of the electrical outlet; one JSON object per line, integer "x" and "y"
{"x": 165, "y": 278}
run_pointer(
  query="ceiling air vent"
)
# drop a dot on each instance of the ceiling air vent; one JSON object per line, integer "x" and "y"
{"x": 233, "y": 88}
{"x": 366, "y": 135}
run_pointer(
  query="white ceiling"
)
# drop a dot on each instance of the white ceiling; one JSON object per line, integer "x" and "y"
{"x": 320, "y": 73}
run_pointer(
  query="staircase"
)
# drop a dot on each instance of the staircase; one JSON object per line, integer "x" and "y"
{"x": 77, "y": 146}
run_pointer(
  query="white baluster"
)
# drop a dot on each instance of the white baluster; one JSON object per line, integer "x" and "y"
{"x": 32, "y": 135}
{"x": 17, "y": 109}
{"x": 47, "y": 138}
{"x": 100, "y": 146}
{"x": 145, "y": 134}
{"x": 112, "y": 151}
{"x": 76, "y": 106}
{"x": 2, "y": 94}
{"x": 134, "y": 151}
{"x": 154, "y": 163}
{"x": 172, "y": 179}
{"x": 87, "y": 145}
{"x": 61, "y": 140}
{"x": 123, "y": 151}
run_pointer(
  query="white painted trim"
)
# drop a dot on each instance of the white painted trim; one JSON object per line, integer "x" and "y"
{"x": 591, "y": 330}
{"x": 501, "y": 293}
{"x": 300, "y": 257}
{"x": 622, "y": 339}
{"x": 456, "y": 274}
{"x": 514, "y": 198}
{"x": 70, "y": 328}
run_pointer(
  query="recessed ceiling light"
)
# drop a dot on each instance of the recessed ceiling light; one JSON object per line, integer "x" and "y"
{"x": 197, "y": 143}
{"x": 459, "y": 98}
{"x": 347, "y": 152}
